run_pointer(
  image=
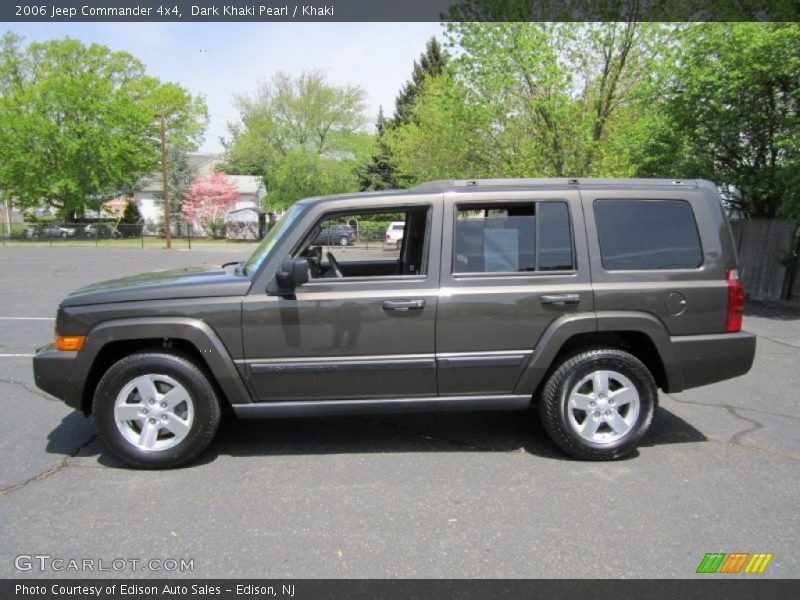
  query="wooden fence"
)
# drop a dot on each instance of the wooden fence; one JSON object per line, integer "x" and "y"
{"x": 794, "y": 285}
{"x": 764, "y": 246}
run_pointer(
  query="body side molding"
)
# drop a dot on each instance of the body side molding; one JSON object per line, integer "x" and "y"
{"x": 316, "y": 408}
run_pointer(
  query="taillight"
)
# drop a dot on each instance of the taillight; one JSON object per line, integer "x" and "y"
{"x": 387, "y": 237}
{"x": 733, "y": 321}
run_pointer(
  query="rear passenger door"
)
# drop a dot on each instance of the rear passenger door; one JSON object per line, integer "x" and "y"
{"x": 511, "y": 265}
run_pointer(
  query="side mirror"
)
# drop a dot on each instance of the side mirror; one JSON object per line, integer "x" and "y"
{"x": 293, "y": 272}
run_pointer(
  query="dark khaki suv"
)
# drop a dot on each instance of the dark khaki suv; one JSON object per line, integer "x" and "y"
{"x": 582, "y": 296}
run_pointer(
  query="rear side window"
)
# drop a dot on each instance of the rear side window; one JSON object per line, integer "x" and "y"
{"x": 647, "y": 234}
{"x": 511, "y": 238}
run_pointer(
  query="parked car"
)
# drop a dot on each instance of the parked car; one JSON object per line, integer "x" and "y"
{"x": 394, "y": 234}
{"x": 51, "y": 230}
{"x": 583, "y": 297}
{"x": 101, "y": 231}
{"x": 338, "y": 234}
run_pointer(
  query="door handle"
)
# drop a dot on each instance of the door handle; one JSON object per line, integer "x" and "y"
{"x": 403, "y": 305}
{"x": 561, "y": 299}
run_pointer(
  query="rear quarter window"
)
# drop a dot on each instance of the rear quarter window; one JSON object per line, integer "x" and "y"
{"x": 647, "y": 235}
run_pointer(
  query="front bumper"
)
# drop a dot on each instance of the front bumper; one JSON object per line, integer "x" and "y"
{"x": 51, "y": 373}
{"x": 705, "y": 359}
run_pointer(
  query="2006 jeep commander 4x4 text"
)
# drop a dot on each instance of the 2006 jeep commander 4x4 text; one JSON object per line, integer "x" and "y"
{"x": 582, "y": 296}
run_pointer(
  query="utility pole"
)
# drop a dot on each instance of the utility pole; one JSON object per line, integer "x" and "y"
{"x": 165, "y": 175}
{"x": 8, "y": 216}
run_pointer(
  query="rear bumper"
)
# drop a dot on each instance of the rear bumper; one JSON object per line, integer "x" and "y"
{"x": 51, "y": 373}
{"x": 705, "y": 359}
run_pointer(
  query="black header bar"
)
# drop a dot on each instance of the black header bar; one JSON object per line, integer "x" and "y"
{"x": 397, "y": 10}
{"x": 733, "y": 588}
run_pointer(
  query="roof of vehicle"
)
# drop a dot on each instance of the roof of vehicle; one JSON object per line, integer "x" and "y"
{"x": 474, "y": 185}
{"x": 455, "y": 184}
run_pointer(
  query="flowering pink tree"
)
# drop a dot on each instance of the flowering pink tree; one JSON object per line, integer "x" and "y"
{"x": 208, "y": 201}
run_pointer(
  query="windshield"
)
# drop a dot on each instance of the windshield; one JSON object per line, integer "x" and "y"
{"x": 273, "y": 237}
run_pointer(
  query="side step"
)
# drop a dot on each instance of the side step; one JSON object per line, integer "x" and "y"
{"x": 318, "y": 408}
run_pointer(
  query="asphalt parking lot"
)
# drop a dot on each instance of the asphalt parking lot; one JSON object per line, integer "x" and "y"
{"x": 436, "y": 495}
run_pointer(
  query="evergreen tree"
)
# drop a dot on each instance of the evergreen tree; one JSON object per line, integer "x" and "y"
{"x": 379, "y": 173}
{"x": 179, "y": 178}
{"x": 431, "y": 64}
{"x": 131, "y": 214}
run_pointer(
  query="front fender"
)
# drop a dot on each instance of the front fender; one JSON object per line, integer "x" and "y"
{"x": 194, "y": 331}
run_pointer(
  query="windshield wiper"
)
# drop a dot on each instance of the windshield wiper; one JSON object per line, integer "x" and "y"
{"x": 239, "y": 268}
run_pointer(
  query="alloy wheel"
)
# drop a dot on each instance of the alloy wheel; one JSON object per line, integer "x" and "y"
{"x": 154, "y": 412}
{"x": 603, "y": 406}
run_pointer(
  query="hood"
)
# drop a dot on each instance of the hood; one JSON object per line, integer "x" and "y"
{"x": 193, "y": 282}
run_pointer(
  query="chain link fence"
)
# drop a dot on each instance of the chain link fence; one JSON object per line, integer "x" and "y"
{"x": 184, "y": 235}
{"x": 94, "y": 234}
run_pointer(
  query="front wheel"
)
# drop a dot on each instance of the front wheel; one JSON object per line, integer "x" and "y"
{"x": 598, "y": 405}
{"x": 344, "y": 240}
{"x": 156, "y": 410}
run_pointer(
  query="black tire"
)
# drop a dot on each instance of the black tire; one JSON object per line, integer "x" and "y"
{"x": 205, "y": 404}
{"x": 554, "y": 408}
{"x": 344, "y": 240}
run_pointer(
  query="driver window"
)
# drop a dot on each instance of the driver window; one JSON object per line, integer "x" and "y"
{"x": 386, "y": 243}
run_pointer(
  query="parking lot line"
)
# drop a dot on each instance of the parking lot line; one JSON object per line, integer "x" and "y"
{"x": 27, "y": 318}
{"x": 16, "y": 355}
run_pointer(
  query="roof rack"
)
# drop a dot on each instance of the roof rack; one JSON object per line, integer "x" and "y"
{"x": 439, "y": 185}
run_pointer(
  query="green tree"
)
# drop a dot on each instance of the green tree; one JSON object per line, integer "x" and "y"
{"x": 79, "y": 123}
{"x": 304, "y": 135}
{"x": 431, "y": 63}
{"x": 131, "y": 214}
{"x": 179, "y": 177}
{"x": 730, "y": 114}
{"x": 379, "y": 173}
{"x": 539, "y": 99}
{"x": 442, "y": 141}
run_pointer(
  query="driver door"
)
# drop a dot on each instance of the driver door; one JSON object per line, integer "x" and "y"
{"x": 364, "y": 331}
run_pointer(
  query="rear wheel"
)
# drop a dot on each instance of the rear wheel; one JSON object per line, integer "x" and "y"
{"x": 598, "y": 405}
{"x": 156, "y": 410}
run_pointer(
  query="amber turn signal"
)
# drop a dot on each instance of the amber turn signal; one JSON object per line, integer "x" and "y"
{"x": 70, "y": 342}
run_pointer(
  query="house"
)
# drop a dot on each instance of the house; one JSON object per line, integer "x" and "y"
{"x": 149, "y": 193}
{"x": 115, "y": 208}
{"x": 246, "y": 220}
{"x": 248, "y": 223}
{"x": 251, "y": 191}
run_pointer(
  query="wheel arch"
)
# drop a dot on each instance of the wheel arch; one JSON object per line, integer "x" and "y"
{"x": 109, "y": 341}
{"x": 641, "y": 334}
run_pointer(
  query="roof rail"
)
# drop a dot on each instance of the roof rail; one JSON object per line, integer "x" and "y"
{"x": 439, "y": 185}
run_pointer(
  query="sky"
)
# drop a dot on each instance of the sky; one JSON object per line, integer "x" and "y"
{"x": 219, "y": 60}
